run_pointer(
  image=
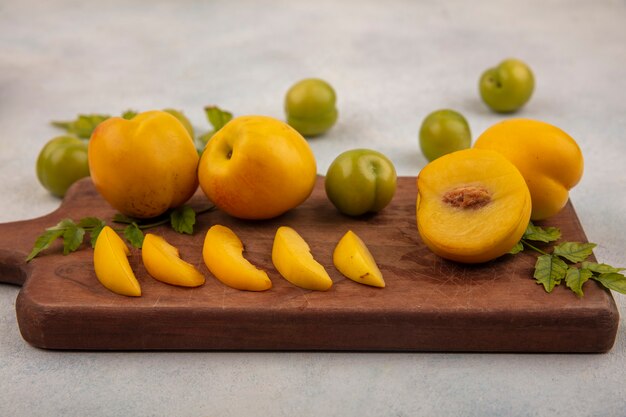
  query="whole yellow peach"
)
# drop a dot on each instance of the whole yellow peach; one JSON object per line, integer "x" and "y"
{"x": 548, "y": 158}
{"x": 143, "y": 166}
{"x": 257, "y": 167}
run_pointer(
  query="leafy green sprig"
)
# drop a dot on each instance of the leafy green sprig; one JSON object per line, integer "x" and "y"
{"x": 182, "y": 220}
{"x": 551, "y": 269}
{"x": 217, "y": 118}
{"x": 83, "y": 126}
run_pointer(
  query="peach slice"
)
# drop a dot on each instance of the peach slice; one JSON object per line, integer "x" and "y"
{"x": 163, "y": 263}
{"x": 223, "y": 255}
{"x": 292, "y": 258}
{"x": 354, "y": 260}
{"x": 111, "y": 264}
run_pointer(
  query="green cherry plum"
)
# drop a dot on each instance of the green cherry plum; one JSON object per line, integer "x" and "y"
{"x": 507, "y": 87}
{"x": 61, "y": 162}
{"x": 360, "y": 181}
{"x": 442, "y": 132}
{"x": 310, "y": 106}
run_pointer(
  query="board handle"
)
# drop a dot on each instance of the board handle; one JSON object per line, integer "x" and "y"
{"x": 18, "y": 238}
{"x": 16, "y": 242}
{"x": 14, "y": 248}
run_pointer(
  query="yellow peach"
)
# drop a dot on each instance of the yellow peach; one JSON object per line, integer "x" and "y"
{"x": 257, "y": 167}
{"x": 548, "y": 158}
{"x": 472, "y": 205}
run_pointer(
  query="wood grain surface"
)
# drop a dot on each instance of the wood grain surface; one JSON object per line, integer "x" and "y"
{"x": 429, "y": 304}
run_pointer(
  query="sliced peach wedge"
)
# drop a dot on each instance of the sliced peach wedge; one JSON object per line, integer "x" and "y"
{"x": 110, "y": 259}
{"x": 354, "y": 260}
{"x": 163, "y": 263}
{"x": 472, "y": 205}
{"x": 292, "y": 258}
{"x": 223, "y": 255}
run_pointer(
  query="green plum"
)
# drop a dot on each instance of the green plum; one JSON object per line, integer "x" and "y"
{"x": 310, "y": 106}
{"x": 507, "y": 87}
{"x": 442, "y": 132}
{"x": 61, "y": 162}
{"x": 360, "y": 181}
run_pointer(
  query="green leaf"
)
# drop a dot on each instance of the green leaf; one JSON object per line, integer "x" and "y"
{"x": 44, "y": 241}
{"x": 62, "y": 225}
{"x": 574, "y": 251}
{"x": 519, "y": 247}
{"x": 83, "y": 126}
{"x": 217, "y": 117}
{"x": 122, "y": 218}
{"x": 66, "y": 228}
{"x": 600, "y": 268}
{"x": 72, "y": 238}
{"x": 549, "y": 271}
{"x": 90, "y": 222}
{"x": 94, "y": 233}
{"x": 94, "y": 226}
{"x": 129, "y": 114}
{"x": 134, "y": 235}
{"x": 183, "y": 219}
{"x": 541, "y": 234}
{"x": 613, "y": 281}
{"x": 575, "y": 278}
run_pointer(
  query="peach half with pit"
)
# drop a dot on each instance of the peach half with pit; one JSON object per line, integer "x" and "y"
{"x": 472, "y": 205}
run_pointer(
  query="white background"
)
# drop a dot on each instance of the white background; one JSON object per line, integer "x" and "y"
{"x": 391, "y": 64}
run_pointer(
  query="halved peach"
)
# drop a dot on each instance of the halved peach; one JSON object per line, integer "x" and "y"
{"x": 472, "y": 205}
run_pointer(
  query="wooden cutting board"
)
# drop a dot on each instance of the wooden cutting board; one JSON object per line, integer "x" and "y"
{"x": 429, "y": 304}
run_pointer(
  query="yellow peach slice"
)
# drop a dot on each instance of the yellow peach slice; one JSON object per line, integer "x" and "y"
{"x": 223, "y": 255}
{"x": 163, "y": 263}
{"x": 472, "y": 205}
{"x": 292, "y": 258}
{"x": 354, "y": 260}
{"x": 111, "y": 264}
